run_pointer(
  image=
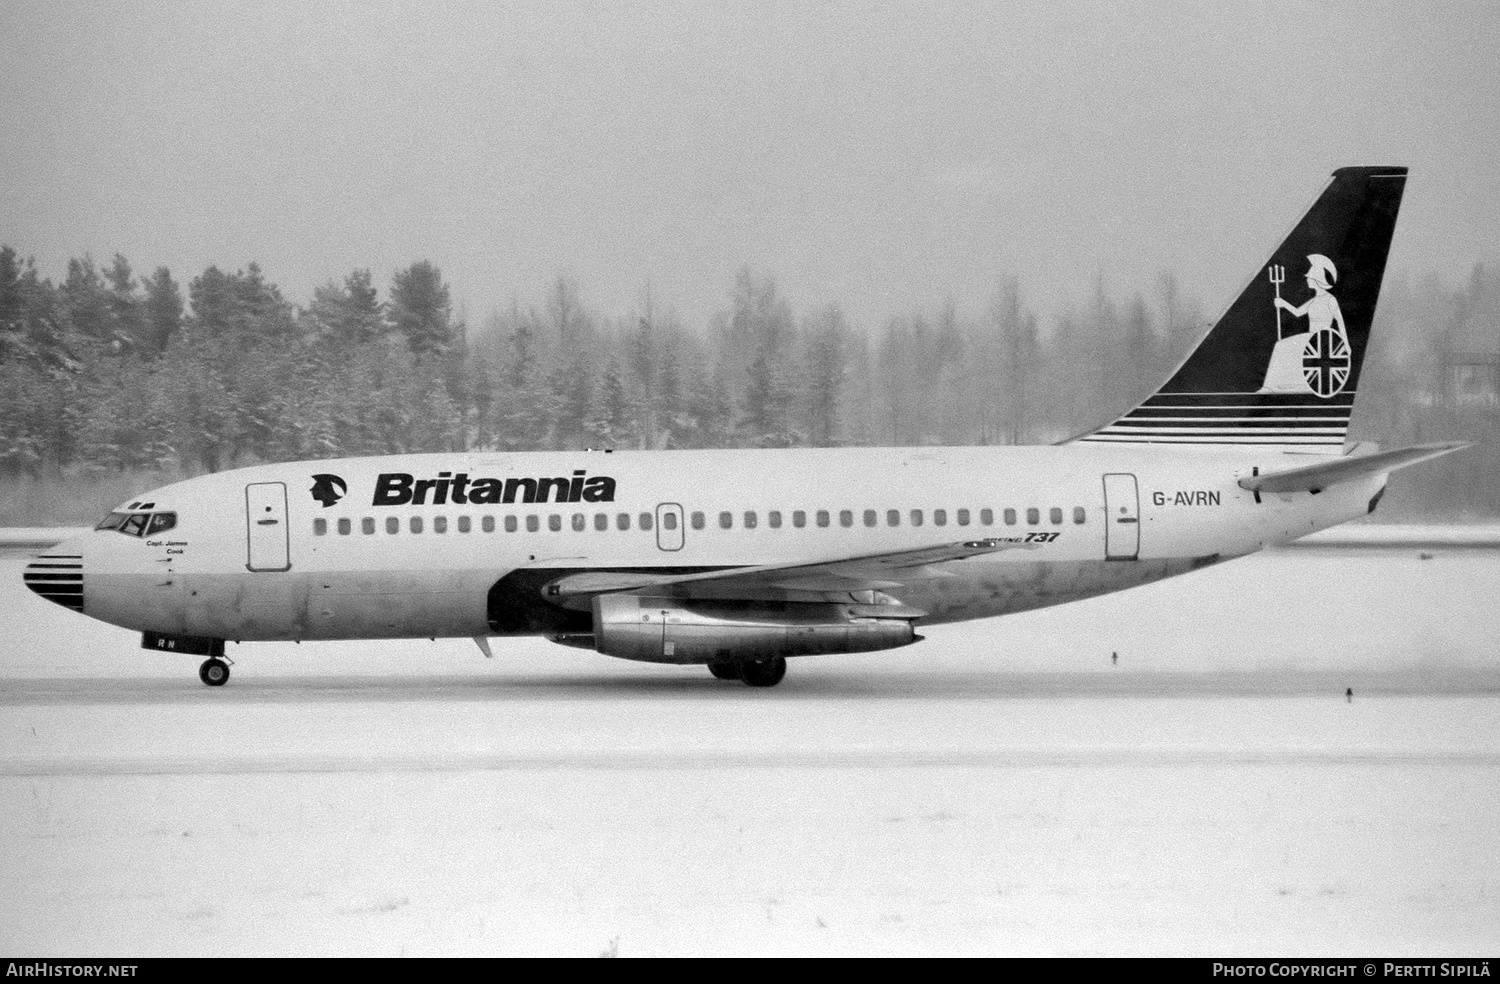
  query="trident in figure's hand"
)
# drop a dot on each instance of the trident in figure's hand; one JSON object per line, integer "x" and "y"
{"x": 1278, "y": 277}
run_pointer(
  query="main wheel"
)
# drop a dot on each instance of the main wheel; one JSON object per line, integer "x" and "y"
{"x": 763, "y": 672}
{"x": 214, "y": 672}
{"x": 725, "y": 671}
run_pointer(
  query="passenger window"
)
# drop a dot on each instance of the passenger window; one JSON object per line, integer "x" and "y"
{"x": 940, "y": 517}
{"x": 1010, "y": 517}
{"x": 1055, "y": 515}
{"x": 846, "y": 517}
{"x": 986, "y": 517}
{"x": 464, "y": 524}
{"x": 392, "y": 524}
{"x": 799, "y": 518}
{"x": 669, "y": 521}
{"x": 871, "y": 517}
{"x": 579, "y": 523}
{"x": 697, "y": 521}
{"x": 440, "y": 524}
{"x": 963, "y": 517}
{"x": 1033, "y": 516}
{"x": 320, "y": 526}
{"x": 726, "y": 520}
{"x": 344, "y": 527}
{"x": 893, "y": 517}
{"x": 510, "y": 524}
{"x": 646, "y": 521}
{"x": 415, "y": 524}
{"x": 822, "y": 517}
{"x": 162, "y": 522}
{"x": 622, "y": 521}
{"x": 533, "y": 523}
{"x": 601, "y": 522}
{"x": 773, "y": 518}
{"x": 487, "y": 524}
{"x": 554, "y": 522}
{"x": 367, "y": 525}
{"x": 916, "y": 517}
{"x": 1079, "y": 515}
{"x": 750, "y": 521}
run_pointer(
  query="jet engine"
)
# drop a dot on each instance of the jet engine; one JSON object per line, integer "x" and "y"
{"x": 680, "y": 630}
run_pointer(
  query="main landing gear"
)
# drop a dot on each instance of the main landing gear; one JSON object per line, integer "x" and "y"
{"x": 754, "y": 672}
{"x": 214, "y": 672}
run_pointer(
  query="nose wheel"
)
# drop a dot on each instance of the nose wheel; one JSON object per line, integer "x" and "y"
{"x": 214, "y": 672}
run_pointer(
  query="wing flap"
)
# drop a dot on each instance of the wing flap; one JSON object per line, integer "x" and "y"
{"x": 1315, "y": 478}
{"x": 858, "y": 573}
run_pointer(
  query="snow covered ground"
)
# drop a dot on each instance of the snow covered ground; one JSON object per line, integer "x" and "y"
{"x": 1001, "y": 788}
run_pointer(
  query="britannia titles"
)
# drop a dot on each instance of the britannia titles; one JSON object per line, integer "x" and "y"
{"x": 400, "y": 489}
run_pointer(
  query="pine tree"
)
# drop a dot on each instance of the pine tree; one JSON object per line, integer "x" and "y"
{"x": 126, "y": 313}
{"x": 86, "y": 301}
{"x": 163, "y": 312}
{"x": 613, "y": 422}
{"x": 347, "y": 314}
{"x": 421, "y": 310}
{"x": 34, "y": 329}
{"x": 824, "y": 376}
{"x": 524, "y": 407}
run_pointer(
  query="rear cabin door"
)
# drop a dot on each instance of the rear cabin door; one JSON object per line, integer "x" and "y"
{"x": 669, "y": 526}
{"x": 266, "y": 527}
{"x": 1122, "y": 527}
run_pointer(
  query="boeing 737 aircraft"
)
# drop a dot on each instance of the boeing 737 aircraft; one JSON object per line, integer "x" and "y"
{"x": 739, "y": 559}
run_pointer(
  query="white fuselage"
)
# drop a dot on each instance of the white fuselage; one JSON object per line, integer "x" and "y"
{"x": 241, "y": 565}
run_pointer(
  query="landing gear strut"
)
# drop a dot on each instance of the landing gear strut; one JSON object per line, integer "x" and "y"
{"x": 763, "y": 672}
{"x": 214, "y": 672}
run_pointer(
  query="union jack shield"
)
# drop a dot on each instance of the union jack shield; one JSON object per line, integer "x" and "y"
{"x": 1325, "y": 362}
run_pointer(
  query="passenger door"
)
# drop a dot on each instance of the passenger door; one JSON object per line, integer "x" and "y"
{"x": 1122, "y": 522}
{"x": 266, "y": 533}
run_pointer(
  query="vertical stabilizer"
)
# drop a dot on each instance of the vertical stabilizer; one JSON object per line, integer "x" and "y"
{"x": 1281, "y": 367}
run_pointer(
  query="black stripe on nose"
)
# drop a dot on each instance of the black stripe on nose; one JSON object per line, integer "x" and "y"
{"x": 57, "y": 577}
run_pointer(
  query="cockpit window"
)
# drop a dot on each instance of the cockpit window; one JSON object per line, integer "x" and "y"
{"x": 138, "y": 524}
{"x": 161, "y": 522}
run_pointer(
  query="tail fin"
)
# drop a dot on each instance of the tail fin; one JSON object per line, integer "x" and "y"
{"x": 1281, "y": 367}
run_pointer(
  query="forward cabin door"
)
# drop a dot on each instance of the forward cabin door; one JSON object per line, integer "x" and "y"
{"x": 266, "y": 527}
{"x": 669, "y": 526}
{"x": 1122, "y": 527}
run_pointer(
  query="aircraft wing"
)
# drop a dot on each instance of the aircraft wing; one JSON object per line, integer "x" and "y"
{"x": 1315, "y": 478}
{"x": 868, "y": 572}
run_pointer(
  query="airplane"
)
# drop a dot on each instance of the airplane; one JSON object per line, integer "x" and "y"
{"x": 739, "y": 559}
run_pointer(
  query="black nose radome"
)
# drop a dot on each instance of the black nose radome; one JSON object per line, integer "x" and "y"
{"x": 57, "y": 577}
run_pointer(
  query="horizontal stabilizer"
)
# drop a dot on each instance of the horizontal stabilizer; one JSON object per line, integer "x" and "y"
{"x": 1315, "y": 478}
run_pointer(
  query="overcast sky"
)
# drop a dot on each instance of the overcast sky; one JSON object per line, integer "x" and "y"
{"x": 882, "y": 156}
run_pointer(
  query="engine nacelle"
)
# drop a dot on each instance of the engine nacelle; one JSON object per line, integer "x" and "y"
{"x": 678, "y": 630}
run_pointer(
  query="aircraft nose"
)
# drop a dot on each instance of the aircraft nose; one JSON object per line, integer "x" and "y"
{"x": 57, "y": 577}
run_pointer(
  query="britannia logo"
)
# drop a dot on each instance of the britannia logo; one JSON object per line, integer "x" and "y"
{"x": 1317, "y": 360}
{"x": 328, "y": 489}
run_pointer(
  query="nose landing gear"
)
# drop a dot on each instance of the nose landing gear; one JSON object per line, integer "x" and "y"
{"x": 214, "y": 672}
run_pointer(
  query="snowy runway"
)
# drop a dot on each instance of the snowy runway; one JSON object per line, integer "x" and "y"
{"x": 1000, "y": 789}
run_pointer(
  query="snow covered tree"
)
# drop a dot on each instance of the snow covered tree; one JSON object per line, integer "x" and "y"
{"x": 421, "y": 309}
